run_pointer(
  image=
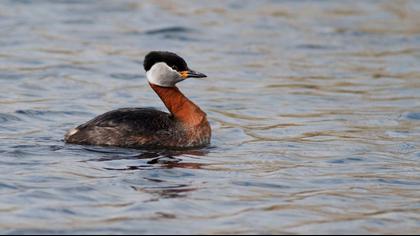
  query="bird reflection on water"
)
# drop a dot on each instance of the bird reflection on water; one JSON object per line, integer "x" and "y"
{"x": 153, "y": 160}
{"x": 164, "y": 158}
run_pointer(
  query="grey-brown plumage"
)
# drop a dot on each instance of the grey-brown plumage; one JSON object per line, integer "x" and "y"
{"x": 127, "y": 127}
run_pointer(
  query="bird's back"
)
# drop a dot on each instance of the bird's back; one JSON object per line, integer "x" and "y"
{"x": 126, "y": 127}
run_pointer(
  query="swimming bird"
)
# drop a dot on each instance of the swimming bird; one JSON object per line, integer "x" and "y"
{"x": 186, "y": 126}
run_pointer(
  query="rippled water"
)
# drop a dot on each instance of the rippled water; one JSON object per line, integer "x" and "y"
{"x": 315, "y": 109}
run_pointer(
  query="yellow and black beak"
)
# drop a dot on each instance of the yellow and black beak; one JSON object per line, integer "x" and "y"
{"x": 192, "y": 74}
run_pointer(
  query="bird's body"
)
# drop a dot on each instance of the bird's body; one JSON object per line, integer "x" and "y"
{"x": 186, "y": 125}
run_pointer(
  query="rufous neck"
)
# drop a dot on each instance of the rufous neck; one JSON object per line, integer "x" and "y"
{"x": 180, "y": 106}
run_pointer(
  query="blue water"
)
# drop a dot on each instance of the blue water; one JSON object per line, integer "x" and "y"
{"x": 314, "y": 107}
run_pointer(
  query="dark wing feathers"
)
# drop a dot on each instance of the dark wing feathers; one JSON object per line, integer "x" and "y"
{"x": 126, "y": 127}
{"x": 134, "y": 119}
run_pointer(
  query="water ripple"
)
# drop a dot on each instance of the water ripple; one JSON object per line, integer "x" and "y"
{"x": 413, "y": 116}
{"x": 170, "y": 30}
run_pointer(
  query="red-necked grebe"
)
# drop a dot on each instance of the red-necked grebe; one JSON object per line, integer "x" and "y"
{"x": 186, "y": 125}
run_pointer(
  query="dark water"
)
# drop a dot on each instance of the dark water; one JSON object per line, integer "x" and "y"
{"x": 315, "y": 109}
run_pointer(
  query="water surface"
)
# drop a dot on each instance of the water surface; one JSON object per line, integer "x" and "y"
{"x": 314, "y": 105}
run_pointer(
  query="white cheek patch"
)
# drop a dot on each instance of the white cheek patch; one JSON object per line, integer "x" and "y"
{"x": 163, "y": 75}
